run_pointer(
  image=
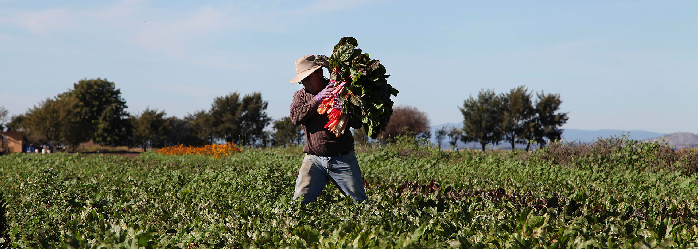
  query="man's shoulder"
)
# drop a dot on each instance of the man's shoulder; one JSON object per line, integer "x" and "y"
{"x": 302, "y": 93}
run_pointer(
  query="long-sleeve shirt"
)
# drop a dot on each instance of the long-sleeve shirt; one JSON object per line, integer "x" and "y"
{"x": 319, "y": 140}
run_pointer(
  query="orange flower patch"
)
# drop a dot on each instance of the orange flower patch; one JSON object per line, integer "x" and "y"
{"x": 214, "y": 150}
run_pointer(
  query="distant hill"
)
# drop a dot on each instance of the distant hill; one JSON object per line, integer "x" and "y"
{"x": 680, "y": 140}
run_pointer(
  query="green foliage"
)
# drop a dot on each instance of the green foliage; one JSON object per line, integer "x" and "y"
{"x": 150, "y": 128}
{"x": 114, "y": 127}
{"x": 367, "y": 81}
{"x": 180, "y": 132}
{"x": 51, "y": 117}
{"x": 518, "y": 111}
{"x": 17, "y": 123}
{"x": 201, "y": 124}
{"x": 421, "y": 197}
{"x": 549, "y": 121}
{"x": 454, "y": 135}
{"x": 440, "y": 136}
{"x": 286, "y": 133}
{"x": 237, "y": 120}
{"x": 512, "y": 117}
{"x": 4, "y": 240}
{"x": 103, "y": 117}
{"x": 482, "y": 118}
{"x": 619, "y": 151}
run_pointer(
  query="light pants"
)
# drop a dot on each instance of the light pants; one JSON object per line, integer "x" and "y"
{"x": 317, "y": 171}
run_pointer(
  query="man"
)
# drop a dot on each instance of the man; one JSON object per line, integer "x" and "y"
{"x": 327, "y": 157}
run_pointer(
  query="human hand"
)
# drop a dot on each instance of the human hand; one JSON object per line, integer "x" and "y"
{"x": 327, "y": 91}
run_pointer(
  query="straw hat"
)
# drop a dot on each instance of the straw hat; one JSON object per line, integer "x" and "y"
{"x": 304, "y": 67}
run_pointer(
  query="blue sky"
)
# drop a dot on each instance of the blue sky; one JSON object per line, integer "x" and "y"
{"x": 630, "y": 65}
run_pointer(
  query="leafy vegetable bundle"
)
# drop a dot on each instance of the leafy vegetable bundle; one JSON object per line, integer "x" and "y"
{"x": 361, "y": 89}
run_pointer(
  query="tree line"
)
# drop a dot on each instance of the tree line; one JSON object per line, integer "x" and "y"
{"x": 95, "y": 111}
{"x": 511, "y": 117}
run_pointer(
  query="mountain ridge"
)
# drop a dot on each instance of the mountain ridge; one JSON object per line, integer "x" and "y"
{"x": 679, "y": 140}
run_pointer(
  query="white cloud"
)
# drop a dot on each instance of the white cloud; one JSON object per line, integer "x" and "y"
{"x": 328, "y": 6}
{"x": 179, "y": 34}
{"x": 122, "y": 10}
{"x": 42, "y": 22}
{"x": 171, "y": 37}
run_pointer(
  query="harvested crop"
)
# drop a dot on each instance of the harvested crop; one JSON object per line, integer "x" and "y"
{"x": 361, "y": 89}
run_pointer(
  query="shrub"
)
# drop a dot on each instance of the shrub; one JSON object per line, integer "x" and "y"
{"x": 620, "y": 152}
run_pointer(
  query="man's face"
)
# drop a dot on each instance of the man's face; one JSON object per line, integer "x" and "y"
{"x": 314, "y": 82}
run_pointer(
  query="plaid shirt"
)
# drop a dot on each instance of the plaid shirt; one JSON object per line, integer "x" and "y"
{"x": 319, "y": 140}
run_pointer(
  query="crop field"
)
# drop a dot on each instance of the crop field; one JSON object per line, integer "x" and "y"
{"x": 615, "y": 193}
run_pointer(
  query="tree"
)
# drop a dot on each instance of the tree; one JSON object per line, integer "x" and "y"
{"x": 254, "y": 119}
{"x": 103, "y": 117}
{"x": 482, "y": 118}
{"x": 74, "y": 130}
{"x": 454, "y": 134}
{"x": 225, "y": 113}
{"x": 406, "y": 120}
{"x": 424, "y": 136}
{"x": 265, "y": 139}
{"x": 517, "y": 110}
{"x": 51, "y": 115}
{"x": 3, "y": 118}
{"x": 440, "y": 135}
{"x": 239, "y": 120}
{"x": 151, "y": 128}
{"x": 546, "y": 123}
{"x": 114, "y": 127}
{"x": 286, "y": 133}
{"x": 180, "y": 132}
{"x": 201, "y": 125}
{"x": 17, "y": 123}
{"x": 532, "y": 130}
{"x": 549, "y": 121}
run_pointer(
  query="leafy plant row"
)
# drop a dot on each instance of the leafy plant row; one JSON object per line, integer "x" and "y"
{"x": 419, "y": 198}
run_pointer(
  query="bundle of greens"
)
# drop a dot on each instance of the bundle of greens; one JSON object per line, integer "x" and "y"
{"x": 361, "y": 89}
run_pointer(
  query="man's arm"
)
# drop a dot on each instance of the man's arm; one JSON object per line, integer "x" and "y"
{"x": 303, "y": 107}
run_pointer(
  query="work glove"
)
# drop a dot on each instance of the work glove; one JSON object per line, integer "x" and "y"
{"x": 327, "y": 91}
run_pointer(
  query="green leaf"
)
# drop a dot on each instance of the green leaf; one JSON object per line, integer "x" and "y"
{"x": 143, "y": 239}
{"x": 419, "y": 232}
